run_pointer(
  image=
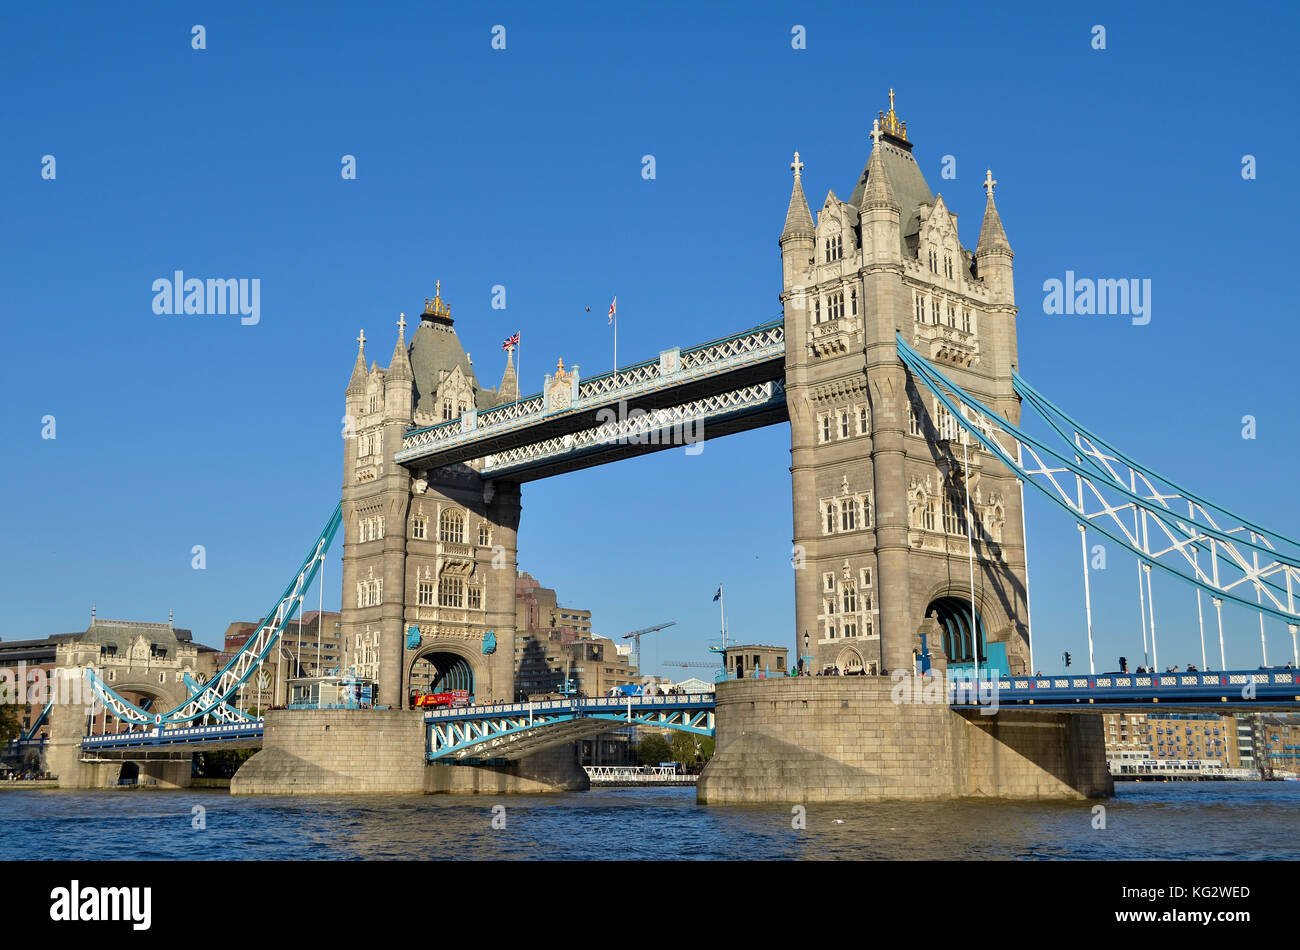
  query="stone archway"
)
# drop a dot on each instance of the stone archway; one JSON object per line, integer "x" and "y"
{"x": 850, "y": 662}
{"x": 959, "y": 640}
{"x": 440, "y": 668}
{"x": 130, "y": 774}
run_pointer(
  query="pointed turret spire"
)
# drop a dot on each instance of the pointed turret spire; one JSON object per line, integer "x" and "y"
{"x": 798, "y": 219}
{"x": 400, "y": 365}
{"x": 992, "y": 236}
{"x": 357, "y": 384}
{"x": 509, "y": 389}
{"x": 879, "y": 192}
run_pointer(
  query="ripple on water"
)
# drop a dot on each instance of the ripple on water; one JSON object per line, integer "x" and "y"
{"x": 1212, "y": 821}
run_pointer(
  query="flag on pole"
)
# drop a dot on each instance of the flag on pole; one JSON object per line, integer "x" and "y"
{"x": 613, "y": 310}
{"x": 718, "y": 595}
{"x": 511, "y": 341}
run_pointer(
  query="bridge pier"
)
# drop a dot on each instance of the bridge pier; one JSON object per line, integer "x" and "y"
{"x": 844, "y": 739}
{"x": 371, "y": 751}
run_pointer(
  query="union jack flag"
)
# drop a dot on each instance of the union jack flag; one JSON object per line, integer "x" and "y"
{"x": 511, "y": 342}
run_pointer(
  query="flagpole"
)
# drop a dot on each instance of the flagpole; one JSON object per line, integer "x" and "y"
{"x": 616, "y": 339}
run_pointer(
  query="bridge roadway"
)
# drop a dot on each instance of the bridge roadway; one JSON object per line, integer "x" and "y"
{"x": 1176, "y": 692}
{"x": 514, "y": 730}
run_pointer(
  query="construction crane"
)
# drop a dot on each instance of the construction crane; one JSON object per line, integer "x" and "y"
{"x": 636, "y": 636}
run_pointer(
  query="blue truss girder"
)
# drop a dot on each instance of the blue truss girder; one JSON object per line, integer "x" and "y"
{"x": 214, "y": 695}
{"x": 518, "y": 729}
{"x": 1097, "y": 497}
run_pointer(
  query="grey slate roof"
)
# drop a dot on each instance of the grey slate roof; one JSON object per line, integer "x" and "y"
{"x": 436, "y": 348}
{"x": 908, "y": 184}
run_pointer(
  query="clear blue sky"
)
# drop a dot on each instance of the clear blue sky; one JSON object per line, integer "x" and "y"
{"x": 522, "y": 168}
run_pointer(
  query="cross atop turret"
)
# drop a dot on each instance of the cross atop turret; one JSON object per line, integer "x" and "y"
{"x": 875, "y": 132}
{"x": 989, "y": 182}
{"x": 797, "y": 166}
{"x": 362, "y": 338}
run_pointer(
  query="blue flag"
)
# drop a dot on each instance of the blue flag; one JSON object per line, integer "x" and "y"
{"x": 718, "y": 595}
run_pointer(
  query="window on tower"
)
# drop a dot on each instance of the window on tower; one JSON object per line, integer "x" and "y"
{"x": 826, "y": 428}
{"x": 919, "y": 301}
{"x": 844, "y": 423}
{"x": 864, "y": 422}
{"x": 425, "y": 598}
{"x": 451, "y": 527}
{"x": 835, "y": 306}
{"x": 419, "y": 528}
{"x": 848, "y": 511}
{"x": 451, "y": 591}
{"x": 830, "y": 526}
{"x": 853, "y": 300}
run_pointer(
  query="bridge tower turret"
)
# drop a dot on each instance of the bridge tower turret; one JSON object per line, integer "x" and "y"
{"x": 878, "y": 474}
{"x": 428, "y": 555}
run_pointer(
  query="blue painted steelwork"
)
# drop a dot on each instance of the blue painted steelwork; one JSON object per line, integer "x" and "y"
{"x": 516, "y": 729}
{"x": 37, "y": 723}
{"x": 412, "y": 637}
{"x": 217, "y": 691}
{"x": 169, "y": 737}
{"x": 1184, "y": 535}
{"x": 1271, "y": 688}
{"x": 223, "y": 711}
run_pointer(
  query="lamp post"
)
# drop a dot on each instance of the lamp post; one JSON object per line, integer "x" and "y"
{"x": 807, "y": 656}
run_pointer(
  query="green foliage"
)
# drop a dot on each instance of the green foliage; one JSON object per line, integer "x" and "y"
{"x": 708, "y": 746}
{"x": 653, "y": 749}
{"x": 10, "y": 725}
{"x": 684, "y": 751}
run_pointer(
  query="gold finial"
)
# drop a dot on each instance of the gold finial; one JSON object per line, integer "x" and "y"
{"x": 797, "y": 166}
{"x": 560, "y": 372}
{"x": 890, "y": 124}
{"x": 436, "y": 307}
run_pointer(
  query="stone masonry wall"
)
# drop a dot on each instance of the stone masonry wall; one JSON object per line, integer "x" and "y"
{"x": 818, "y": 739}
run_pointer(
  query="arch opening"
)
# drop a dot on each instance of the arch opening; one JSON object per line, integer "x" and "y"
{"x": 440, "y": 672}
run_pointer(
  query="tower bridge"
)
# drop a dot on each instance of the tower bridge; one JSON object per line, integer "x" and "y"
{"x": 895, "y": 366}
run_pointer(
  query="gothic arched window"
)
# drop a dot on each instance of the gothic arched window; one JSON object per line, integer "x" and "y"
{"x": 451, "y": 527}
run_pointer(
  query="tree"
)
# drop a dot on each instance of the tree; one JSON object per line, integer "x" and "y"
{"x": 684, "y": 750}
{"x": 653, "y": 749}
{"x": 10, "y": 727}
{"x": 708, "y": 745}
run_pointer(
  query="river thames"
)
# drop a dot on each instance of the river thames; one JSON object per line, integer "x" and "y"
{"x": 1174, "y": 821}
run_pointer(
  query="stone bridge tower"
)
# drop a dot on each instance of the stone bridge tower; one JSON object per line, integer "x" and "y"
{"x": 879, "y": 481}
{"x": 428, "y": 556}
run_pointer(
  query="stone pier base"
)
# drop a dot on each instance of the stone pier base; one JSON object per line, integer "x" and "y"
{"x": 843, "y": 739}
{"x": 362, "y": 751}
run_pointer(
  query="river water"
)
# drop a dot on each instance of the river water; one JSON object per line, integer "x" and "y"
{"x": 1189, "y": 820}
